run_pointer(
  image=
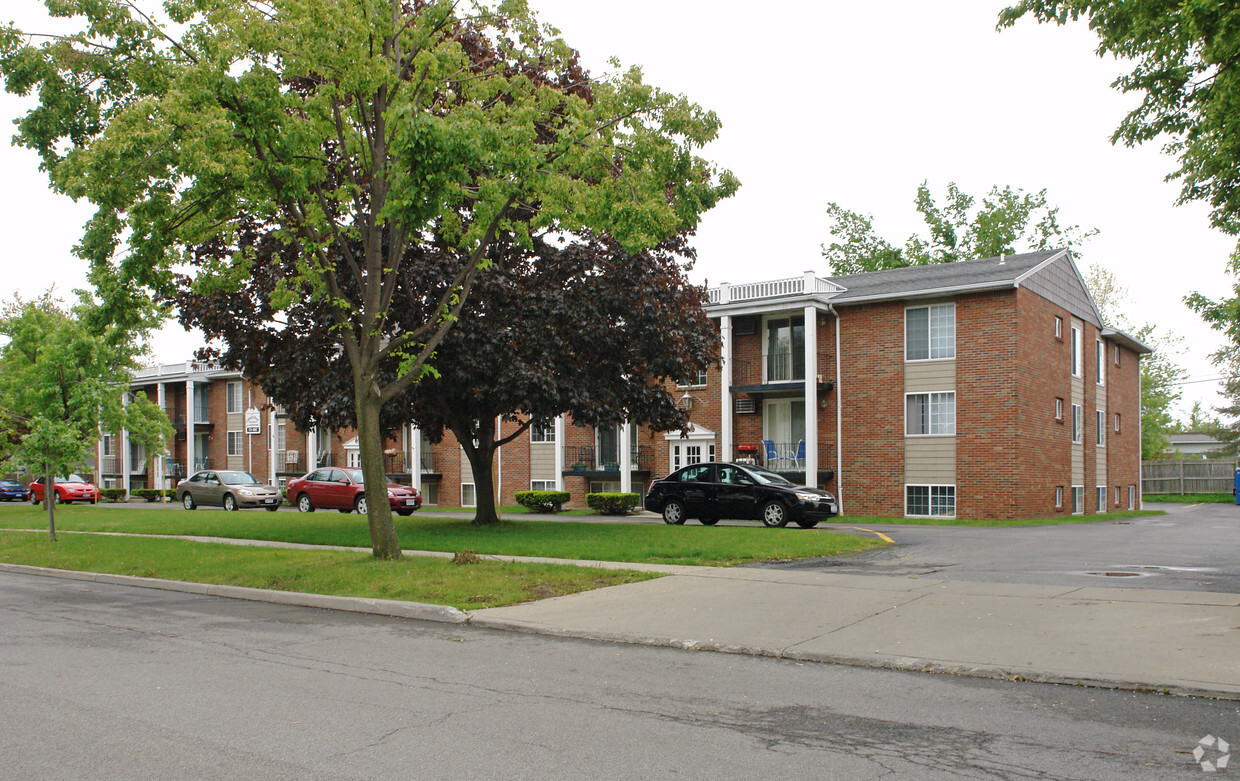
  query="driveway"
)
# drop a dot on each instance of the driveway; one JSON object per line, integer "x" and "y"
{"x": 1192, "y": 548}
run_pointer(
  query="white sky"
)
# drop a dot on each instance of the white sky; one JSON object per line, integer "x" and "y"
{"x": 856, "y": 103}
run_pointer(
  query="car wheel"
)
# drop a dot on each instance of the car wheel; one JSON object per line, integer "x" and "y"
{"x": 404, "y": 512}
{"x": 674, "y": 512}
{"x": 230, "y": 503}
{"x": 187, "y": 501}
{"x": 345, "y": 511}
{"x": 272, "y": 509}
{"x": 360, "y": 505}
{"x": 709, "y": 521}
{"x": 304, "y": 505}
{"x": 34, "y": 499}
{"x": 807, "y": 523}
{"x": 774, "y": 515}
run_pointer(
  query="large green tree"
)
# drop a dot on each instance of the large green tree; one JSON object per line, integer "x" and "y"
{"x": 358, "y": 131}
{"x": 1006, "y": 220}
{"x": 63, "y": 372}
{"x": 1185, "y": 59}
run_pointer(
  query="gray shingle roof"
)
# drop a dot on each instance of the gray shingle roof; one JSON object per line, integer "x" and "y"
{"x": 944, "y": 277}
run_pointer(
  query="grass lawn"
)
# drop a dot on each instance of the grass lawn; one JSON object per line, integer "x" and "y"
{"x": 1061, "y": 519}
{"x": 1191, "y": 498}
{"x": 690, "y": 544}
{"x": 415, "y": 579}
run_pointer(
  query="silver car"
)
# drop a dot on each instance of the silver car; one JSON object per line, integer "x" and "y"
{"x": 229, "y": 489}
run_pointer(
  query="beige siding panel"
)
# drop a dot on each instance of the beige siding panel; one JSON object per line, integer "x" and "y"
{"x": 930, "y": 460}
{"x": 467, "y": 471}
{"x": 923, "y": 376}
{"x": 542, "y": 461}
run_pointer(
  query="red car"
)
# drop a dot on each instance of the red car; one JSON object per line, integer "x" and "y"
{"x": 332, "y": 488}
{"x": 73, "y": 488}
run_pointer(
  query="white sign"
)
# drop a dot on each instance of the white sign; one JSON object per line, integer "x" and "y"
{"x": 253, "y": 421}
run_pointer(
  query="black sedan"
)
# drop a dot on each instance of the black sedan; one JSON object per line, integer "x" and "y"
{"x": 712, "y": 491}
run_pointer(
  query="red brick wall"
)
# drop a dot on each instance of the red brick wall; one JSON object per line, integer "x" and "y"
{"x": 1044, "y": 373}
{"x": 1124, "y": 446}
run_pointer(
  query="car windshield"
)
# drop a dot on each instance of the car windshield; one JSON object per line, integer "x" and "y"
{"x": 355, "y": 475}
{"x": 238, "y": 478}
{"x": 10, "y": 484}
{"x": 767, "y": 477}
{"x": 71, "y": 479}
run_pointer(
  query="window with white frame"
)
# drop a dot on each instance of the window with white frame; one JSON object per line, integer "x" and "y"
{"x": 1102, "y": 498}
{"x": 1078, "y": 499}
{"x": 1117, "y": 355}
{"x": 1076, "y": 351}
{"x": 1078, "y": 423}
{"x": 1101, "y": 420}
{"x": 930, "y": 332}
{"x": 693, "y": 382}
{"x": 234, "y": 396}
{"x": 1117, "y": 496}
{"x": 1059, "y": 497}
{"x": 1059, "y": 410}
{"x": 542, "y": 485}
{"x": 1116, "y": 422}
{"x": 1132, "y": 497}
{"x": 109, "y": 447}
{"x": 930, "y": 414}
{"x": 468, "y": 498}
{"x": 234, "y": 443}
{"x": 1100, "y": 360}
{"x": 542, "y": 431}
{"x": 930, "y": 500}
{"x": 1059, "y": 328}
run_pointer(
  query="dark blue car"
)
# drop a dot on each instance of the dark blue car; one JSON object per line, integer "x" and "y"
{"x": 11, "y": 489}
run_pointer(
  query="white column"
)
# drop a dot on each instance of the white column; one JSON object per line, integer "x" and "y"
{"x": 99, "y": 460}
{"x": 312, "y": 448}
{"x": 189, "y": 427}
{"x": 415, "y": 458}
{"x": 626, "y": 458}
{"x": 125, "y": 449}
{"x": 162, "y": 400}
{"x": 725, "y": 388}
{"x": 271, "y": 447}
{"x": 559, "y": 452}
{"x": 811, "y": 396}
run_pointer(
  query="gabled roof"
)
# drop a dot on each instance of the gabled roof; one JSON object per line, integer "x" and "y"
{"x": 942, "y": 278}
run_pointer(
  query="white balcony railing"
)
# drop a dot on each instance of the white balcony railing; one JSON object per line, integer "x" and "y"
{"x": 806, "y": 284}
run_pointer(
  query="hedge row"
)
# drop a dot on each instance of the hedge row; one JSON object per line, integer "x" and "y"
{"x": 613, "y": 504}
{"x": 542, "y": 501}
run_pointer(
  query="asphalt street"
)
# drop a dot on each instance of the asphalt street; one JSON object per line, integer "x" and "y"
{"x": 106, "y": 681}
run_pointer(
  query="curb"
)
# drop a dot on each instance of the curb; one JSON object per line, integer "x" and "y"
{"x": 382, "y": 607}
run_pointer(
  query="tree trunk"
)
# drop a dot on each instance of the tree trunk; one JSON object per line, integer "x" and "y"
{"x": 482, "y": 462}
{"x": 383, "y": 540}
{"x": 49, "y": 496}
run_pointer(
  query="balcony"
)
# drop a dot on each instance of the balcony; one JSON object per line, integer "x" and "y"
{"x": 804, "y": 285}
{"x": 784, "y": 375}
{"x": 586, "y": 459}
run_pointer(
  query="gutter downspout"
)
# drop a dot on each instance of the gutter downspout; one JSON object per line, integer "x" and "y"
{"x": 839, "y": 419}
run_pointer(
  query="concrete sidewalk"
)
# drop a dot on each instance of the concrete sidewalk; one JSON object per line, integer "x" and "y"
{"x": 1185, "y": 642}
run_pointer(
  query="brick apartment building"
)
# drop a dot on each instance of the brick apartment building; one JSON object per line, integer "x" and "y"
{"x": 980, "y": 389}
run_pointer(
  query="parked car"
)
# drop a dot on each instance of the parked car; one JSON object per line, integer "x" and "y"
{"x": 230, "y": 489}
{"x": 712, "y": 491}
{"x": 333, "y": 488}
{"x": 11, "y": 489}
{"x": 73, "y": 488}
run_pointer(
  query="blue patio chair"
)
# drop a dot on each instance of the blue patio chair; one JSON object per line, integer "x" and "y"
{"x": 771, "y": 455}
{"x": 800, "y": 456}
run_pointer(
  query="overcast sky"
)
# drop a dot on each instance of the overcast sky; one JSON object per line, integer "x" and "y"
{"x": 856, "y": 103}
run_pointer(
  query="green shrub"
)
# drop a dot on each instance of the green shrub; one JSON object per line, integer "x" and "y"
{"x": 151, "y": 494}
{"x": 542, "y": 501}
{"x": 112, "y": 494}
{"x": 613, "y": 504}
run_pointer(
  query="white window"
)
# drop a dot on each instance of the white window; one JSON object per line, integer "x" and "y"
{"x": 1132, "y": 497}
{"x": 1116, "y": 422}
{"x": 930, "y": 414}
{"x": 1102, "y": 498}
{"x": 1058, "y": 497}
{"x": 1117, "y": 496}
{"x": 693, "y": 382}
{"x": 1117, "y": 355}
{"x": 1078, "y": 499}
{"x": 1101, "y": 420}
{"x": 1078, "y": 423}
{"x": 234, "y": 443}
{"x": 354, "y": 458}
{"x": 1076, "y": 351}
{"x": 1059, "y": 410}
{"x": 1100, "y": 359}
{"x": 1058, "y": 327}
{"x": 468, "y": 499}
{"x": 234, "y": 396}
{"x": 542, "y": 431}
{"x": 930, "y": 500}
{"x": 108, "y": 445}
{"x": 542, "y": 485}
{"x": 930, "y": 333}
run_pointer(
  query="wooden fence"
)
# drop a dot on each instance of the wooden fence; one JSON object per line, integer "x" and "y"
{"x": 1188, "y": 476}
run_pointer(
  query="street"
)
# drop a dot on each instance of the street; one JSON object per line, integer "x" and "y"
{"x": 105, "y": 681}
